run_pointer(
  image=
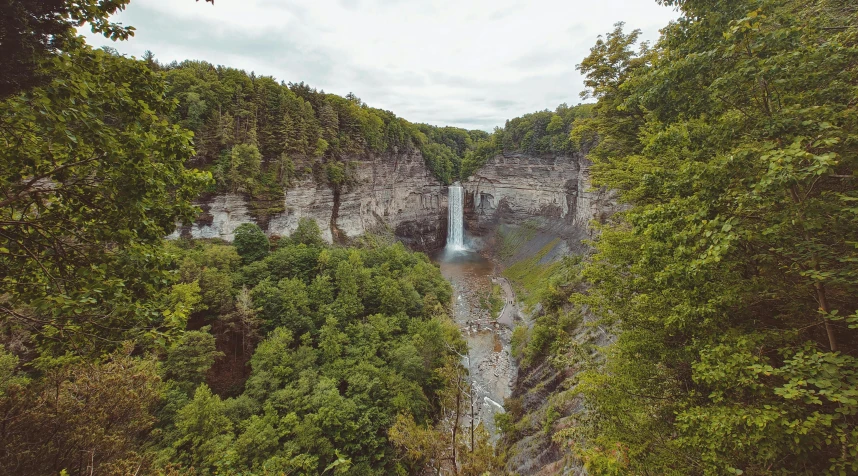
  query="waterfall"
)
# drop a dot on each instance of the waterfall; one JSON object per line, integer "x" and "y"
{"x": 455, "y": 227}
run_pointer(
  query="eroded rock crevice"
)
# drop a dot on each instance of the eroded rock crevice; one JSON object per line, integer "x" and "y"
{"x": 389, "y": 192}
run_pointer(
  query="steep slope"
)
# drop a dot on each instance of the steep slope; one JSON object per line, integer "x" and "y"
{"x": 393, "y": 191}
{"x": 518, "y": 187}
{"x": 533, "y": 213}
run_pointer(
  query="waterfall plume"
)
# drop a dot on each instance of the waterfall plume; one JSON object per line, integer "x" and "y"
{"x": 455, "y": 227}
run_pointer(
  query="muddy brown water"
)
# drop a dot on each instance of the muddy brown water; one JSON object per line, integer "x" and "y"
{"x": 488, "y": 361}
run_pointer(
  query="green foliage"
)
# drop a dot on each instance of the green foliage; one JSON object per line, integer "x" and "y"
{"x": 251, "y": 243}
{"x": 441, "y": 161}
{"x": 528, "y": 275}
{"x": 543, "y": 132}
{"x": 34, "y": 30}
{"x": 228, "y": 258}
{"x": 216, "y": 291}
{"x": 93, "y": 178}
{"x": 294, "y": 127}
{"x": 537, "y": 134}
{"x": 10, "y": 379}
{"x": 307, "y": 233}
{"x": 240, "y": 169}
{"x": 518, "y": 341}
{"x": 355, "y": 336}
{"x": 190, "y": 357}
{"x": 76, "y": 407}
{"x": 204, "y": 432}
{"x": 285, "y": 304}
{"x": 729, "y": 278}
{"x": 496, "y": 300}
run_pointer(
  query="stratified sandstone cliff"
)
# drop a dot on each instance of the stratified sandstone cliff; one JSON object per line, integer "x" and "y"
{"x": 396, "y": 192}
{"x": 392, "y": 191}
{"x": 518, "y": 187}
{"x": 550, "y": 195}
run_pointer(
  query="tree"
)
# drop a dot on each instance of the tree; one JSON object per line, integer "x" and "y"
{"x": 251, "y": 243}
{"x": 204, "y": 432}
{"x": 33, "y": 30}
{"x": 731, "y": 279}
{"x": 80, "y": 416}
{"x": 419, "y": 444}
{"x": 216, "y": 291}
{"x": 240, "y": 171}
{"x": 612, "y": 131}
{"x": 283, "y": 305}
{"x": 190, "y": 357}
{"x": 307, "y": 233}
{"x": 244, "y": 321}
{"x": 93, "y": 179}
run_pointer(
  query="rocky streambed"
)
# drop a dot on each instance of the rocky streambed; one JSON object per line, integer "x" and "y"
{"x": 490, "y": 365}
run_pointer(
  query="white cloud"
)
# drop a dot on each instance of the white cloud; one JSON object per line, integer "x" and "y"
{"x": 468, "y": 63}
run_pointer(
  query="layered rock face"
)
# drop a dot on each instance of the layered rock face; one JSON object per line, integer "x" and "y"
{"x": 392, "y": 191}
{"x": 516, "y": 188}
{"x": 396, "y": 192}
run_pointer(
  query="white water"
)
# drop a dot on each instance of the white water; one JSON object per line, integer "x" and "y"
{"x": 455, "y": 228}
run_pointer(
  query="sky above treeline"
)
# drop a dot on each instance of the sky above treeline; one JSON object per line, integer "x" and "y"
{"x": 465, "y": 63}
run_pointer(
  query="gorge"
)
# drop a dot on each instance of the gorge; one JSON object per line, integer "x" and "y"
{"x": 398, "y": 194}
{"x": 662, "y": 280}
{"x": 546, "y": 200}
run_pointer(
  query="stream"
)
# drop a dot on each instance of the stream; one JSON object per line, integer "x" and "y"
{"x": 489, "y": 363}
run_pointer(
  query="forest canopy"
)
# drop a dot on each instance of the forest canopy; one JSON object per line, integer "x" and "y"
{"x": 123, "y": 353}
{"x": 294, "y": 131}
{"x": 730, "y": 280}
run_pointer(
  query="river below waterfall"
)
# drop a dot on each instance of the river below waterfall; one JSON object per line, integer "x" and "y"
{"x": 489, "y": 362}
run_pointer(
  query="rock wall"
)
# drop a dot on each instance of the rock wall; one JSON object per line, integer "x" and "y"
{"x": 515, "y": 188}
{"x": 391, "y": 191}
{"x": 517, "y": 205}
{"x": 396, "y": 192}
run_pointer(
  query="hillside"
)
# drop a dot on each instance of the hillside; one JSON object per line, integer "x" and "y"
{"x": 210, "y": 272}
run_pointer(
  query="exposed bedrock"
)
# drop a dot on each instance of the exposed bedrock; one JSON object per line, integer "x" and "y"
{"x": 515, "y": 188}
{"x": 519, "y": 206}
{"x": 392, "y": 191}
{"x": 395, "y": 192}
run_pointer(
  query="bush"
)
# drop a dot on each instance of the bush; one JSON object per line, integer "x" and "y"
{"x": 251, "y": 243}
{"x": 308, "y": 233}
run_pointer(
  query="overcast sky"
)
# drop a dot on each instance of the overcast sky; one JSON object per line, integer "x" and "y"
{"x": 466, "y": 63}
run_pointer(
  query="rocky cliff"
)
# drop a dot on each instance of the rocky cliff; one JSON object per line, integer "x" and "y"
{"x": 396, "y": 192}
{"x": 519, "y": 206}
{"x": 392, "y": 191}
{"x": 553, "y": 192}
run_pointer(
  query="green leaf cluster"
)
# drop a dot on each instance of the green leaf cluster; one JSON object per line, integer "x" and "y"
{"x": 93, "y": 178}
{"x": 730, "y": 278}
{"x": 341, "y": 341}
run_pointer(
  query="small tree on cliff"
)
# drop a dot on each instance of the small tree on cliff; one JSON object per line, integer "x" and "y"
{"x": 251, "y": 243}
{"x": 308, "y": 233}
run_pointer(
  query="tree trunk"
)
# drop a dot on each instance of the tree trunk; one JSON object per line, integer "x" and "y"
{"x": 456, "y": 429}
{"x": 823, "y": 305}
{"x": 819, "y": 287}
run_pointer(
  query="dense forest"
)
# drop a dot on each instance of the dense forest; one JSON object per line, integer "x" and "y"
{"x": 258, "y": 136}
{"x": 126, "y": 354}
{"x": 728, "y": 284}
